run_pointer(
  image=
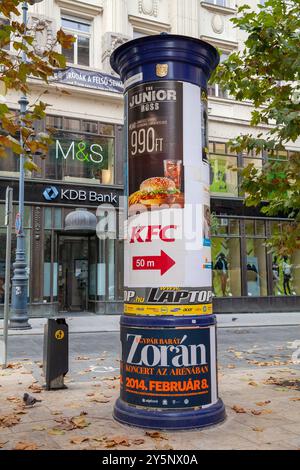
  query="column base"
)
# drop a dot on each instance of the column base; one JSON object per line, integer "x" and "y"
{"x": 169, "y": 420}
{"x": 19, "y": 325}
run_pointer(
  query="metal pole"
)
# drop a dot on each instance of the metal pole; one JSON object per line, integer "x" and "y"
{"x": 19, "y": 317}
{"x": 8, "y": 223}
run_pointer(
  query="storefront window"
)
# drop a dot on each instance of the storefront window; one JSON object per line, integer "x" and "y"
{"x": 9, "y": 165}
{"x": 255, "y": 227}
{"x": 111, "y": 269}
{"x": 93, "y": 269}
{"x": 226, "y": 257}
{"x": 47, "y": 265}
{"x": 224, "y": 179}
{"x": 256, "y": 162}
{"x": 285, "y": 269}
{"x": 226, "y": 267}
{"x": 256, "y": 267}
{"x": 101, "y": 271}
{"x": 88, "y": 156}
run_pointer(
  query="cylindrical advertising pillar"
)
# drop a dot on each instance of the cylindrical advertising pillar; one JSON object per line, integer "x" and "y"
{"x": 168, "y": 330}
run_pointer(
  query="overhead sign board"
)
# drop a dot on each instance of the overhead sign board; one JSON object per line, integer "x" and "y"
{"x": 89, "y": 79}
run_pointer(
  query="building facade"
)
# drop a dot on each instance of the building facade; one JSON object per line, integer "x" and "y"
{"x": 75, "y": 270}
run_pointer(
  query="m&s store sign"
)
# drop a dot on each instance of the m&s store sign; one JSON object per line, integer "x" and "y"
{"x": 84, "y": 151}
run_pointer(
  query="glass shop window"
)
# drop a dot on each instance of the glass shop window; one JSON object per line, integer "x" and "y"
{"x": 223, "y": 175}
{"x": 226, "y": 256}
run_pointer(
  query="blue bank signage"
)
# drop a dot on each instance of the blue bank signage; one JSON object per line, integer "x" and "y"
{"x": 63, "y": 194}
{"x": 51, "y": 193}
{"x": 89, "y": 79}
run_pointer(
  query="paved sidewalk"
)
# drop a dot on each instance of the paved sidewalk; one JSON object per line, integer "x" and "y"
{"x": 97, "y": 323}
{"x": 262, "y": 408}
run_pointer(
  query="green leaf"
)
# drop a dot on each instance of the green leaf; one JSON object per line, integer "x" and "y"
{"x": 31, "y": 166}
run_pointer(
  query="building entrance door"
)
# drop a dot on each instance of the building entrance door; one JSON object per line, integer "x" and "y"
{"x": 73, "y": 276}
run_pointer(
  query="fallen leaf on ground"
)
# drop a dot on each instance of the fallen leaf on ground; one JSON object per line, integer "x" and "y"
{"x": 26, "y": 445}
{"x": 261, "y": 412}
{"x": 295, "y": 399}
{"x": 111, "y": 378}
{"x": 268, "y": 363}
{"x": 285, "y": 383}
{"x": 116, "y": 441}
{"x": 156, "y": 435}
{"x": 56, "y": 413}
{"x": 164, "y": 447}
{"x": 80, "y": 422}
{"x": 39, "y": 428}
{"x": 65, "y": 424}
{"x": 99, "y": 399}
{"x": 98, "y": 439}
{"x": 231, "y": 366}
{"x": 258, "y": 429}
{"x": 7, "y": 421}
{"x": 20, "y": 411}
{"x": 238, "y": 409}
{"x": 252, "y": 383}
{"x": 82, "y": 358}
{"x": 138, "y": 442}
{"x": 79, "y": 440}
{"x": 238, "y": 354}
{"x": 263, "y": 403}
{"x": 35, "y": 388}
{"x": 2, "y": 444}
{"x": 14, "y": 365}
{"x": 56, "y": 432}
{"x": 14, "y": 399}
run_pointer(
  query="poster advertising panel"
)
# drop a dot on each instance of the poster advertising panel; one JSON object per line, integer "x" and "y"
{"x": 168, "y": 369}
{"x": 168, "y": 240}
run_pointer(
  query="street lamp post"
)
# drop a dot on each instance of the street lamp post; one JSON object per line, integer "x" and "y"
{"x": 19, "y": 312}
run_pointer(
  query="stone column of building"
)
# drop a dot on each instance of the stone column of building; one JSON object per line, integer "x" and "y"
{"x": 184, "y": 17}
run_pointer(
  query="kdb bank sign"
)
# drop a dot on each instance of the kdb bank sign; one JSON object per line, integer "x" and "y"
{"x": 70, "y": 195}
{"x": 81, "y": 151}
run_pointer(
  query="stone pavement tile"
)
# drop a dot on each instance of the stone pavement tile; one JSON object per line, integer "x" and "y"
{"x": 38, "y": 437}
{"x": 220, "y": 441}
{"x": 263, "y": 421}
{"x": 294, "y": 428}
{"x": 37, "y": 413}
{"x": 271, "y": 435}
{"x": 293, "y": 442}
{"x": 229, "y": 426}
{"x": 289, "y": 412}
{"x": 5, "y": 434}
{"x": 32, "y": 426}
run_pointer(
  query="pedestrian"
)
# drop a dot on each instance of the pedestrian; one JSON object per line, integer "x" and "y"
{"x": 287, "y": 274}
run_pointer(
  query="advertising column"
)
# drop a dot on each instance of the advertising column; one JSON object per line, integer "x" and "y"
{"x": 168, "y": 330}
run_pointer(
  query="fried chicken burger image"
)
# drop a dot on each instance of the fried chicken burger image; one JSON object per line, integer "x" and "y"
{"x": 155, "y": 192}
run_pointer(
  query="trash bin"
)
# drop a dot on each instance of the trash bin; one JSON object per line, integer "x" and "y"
{"x": 56, "y": 353}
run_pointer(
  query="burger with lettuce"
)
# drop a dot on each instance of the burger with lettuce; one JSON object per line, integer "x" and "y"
{"x": 155, "y": 192}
